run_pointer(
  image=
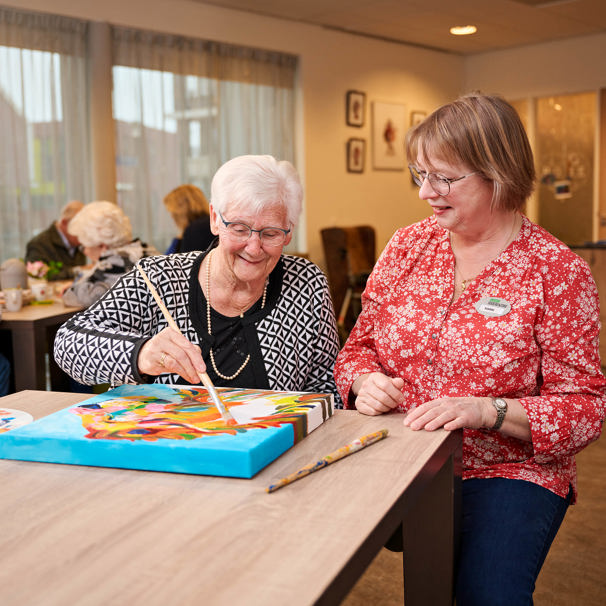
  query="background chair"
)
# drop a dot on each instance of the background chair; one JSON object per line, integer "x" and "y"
{"x": 350, "y": 257}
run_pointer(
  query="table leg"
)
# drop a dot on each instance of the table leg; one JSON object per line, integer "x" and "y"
{"x": 29, "y": 361}
{"x": 430, "y": 538}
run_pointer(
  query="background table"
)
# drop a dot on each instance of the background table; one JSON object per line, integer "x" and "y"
{"x": 97, "y": 536}
{"x": 32, "y": 333}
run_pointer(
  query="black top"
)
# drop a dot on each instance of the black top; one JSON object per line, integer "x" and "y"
{"x": 233, "y": 338}
{"x": 197, "y": 236}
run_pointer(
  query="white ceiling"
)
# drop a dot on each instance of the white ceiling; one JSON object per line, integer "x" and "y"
{"x": 500, "y": 23}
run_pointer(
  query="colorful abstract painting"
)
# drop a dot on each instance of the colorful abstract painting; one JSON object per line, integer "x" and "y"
{"x": 172, "y": 428}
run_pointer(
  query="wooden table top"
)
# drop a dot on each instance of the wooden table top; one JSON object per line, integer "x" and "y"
{"x": 84, "y": 535}
{"x": 38, "y": 311}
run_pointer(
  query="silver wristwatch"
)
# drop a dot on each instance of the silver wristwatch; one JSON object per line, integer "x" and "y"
{"x": 501, "y": 407}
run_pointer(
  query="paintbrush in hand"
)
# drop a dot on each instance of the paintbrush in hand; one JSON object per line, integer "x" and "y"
{"x": 229, "y": 420}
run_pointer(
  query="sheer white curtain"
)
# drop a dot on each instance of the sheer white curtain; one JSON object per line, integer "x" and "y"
{"x": 44, "y": 147}
{"x": 182, "y": 107}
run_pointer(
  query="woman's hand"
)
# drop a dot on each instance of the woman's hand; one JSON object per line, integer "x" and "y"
{"x": 452, "y": 413}
{"x": 170, "y": 351}
{"x": 377, "y": 393}
{"x": 471, "y": 413}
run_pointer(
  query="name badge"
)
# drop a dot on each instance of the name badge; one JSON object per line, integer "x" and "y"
{"x": 492, "y": 307}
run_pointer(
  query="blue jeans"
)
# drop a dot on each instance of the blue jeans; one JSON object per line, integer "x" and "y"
{"x": 5, "y": 375}
{"x": 507, "y": 528}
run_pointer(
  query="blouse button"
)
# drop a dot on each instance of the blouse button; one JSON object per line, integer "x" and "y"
{"x": 429, "y": 361}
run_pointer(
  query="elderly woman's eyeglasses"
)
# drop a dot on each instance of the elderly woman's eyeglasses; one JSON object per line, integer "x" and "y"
{"x": 439, "y": 183}
{"x": 269, "y": 236}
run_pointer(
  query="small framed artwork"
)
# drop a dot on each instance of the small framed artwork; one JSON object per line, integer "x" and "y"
{"x": 356, "y": 150}
{"x": 388, "y": 132}
{"x": 417, "y": 117}
{"x": 355, "y": 108}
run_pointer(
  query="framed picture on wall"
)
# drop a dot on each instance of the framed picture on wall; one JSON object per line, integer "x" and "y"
{"x": 356, "y": 151}
{"x": 389, "y": 127}
{"x": 355, "y": 108}
{"x": 417, "y": 117}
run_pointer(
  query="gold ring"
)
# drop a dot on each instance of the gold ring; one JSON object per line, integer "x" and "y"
{"x": 163, "y": 359}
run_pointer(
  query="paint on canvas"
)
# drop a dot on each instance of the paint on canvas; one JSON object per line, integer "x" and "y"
{"x": 173, "y": 428}
{"x": 11, "y": 419}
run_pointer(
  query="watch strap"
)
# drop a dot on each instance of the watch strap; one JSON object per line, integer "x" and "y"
{"x": 501, "y": 408}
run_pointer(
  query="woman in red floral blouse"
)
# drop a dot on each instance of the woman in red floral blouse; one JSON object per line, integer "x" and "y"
{"x": 476, "y": 318}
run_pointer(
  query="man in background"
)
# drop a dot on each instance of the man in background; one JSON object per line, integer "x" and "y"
{"x": 55, "y": 243}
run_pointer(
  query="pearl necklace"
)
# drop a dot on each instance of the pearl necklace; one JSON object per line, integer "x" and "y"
{"x": 212, "y": 355}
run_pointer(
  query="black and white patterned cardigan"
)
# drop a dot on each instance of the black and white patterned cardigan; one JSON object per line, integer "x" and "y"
{"x": 296, "y": 331}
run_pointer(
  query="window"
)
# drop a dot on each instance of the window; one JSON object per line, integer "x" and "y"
{"x": 182, "y": 107}
{"x": 44, "y": 160}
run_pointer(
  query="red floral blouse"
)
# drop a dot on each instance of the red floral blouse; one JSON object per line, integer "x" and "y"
{"x": 543, "y": 350}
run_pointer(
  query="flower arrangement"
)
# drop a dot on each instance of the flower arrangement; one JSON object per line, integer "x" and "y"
{"x": 43, "y": 271}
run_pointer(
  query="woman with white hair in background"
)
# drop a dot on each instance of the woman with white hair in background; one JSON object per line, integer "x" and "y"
{"x": 106, "y": 238}
{"x": 248, "y": 314}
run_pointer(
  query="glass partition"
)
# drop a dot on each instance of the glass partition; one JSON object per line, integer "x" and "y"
{"x": 564, "y": 155}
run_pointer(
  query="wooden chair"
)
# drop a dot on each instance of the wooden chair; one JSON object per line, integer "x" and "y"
{"x": 350, "y": 257}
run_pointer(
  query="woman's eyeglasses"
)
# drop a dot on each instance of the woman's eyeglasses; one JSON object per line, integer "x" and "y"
{"x": 269, "y": 236}
{"x": 439, "y": 183}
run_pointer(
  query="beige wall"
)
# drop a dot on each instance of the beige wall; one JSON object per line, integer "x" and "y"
{"x": 331, "y": 63}
{"x": 570, "y": 66}
{"x": 574, "y": 65}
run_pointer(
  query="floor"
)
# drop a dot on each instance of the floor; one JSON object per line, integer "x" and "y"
{"x": 574, "y": 572}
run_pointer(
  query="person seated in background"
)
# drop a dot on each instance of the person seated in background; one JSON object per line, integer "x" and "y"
{"x": 249, "y": 314}
{"x": 189, "y": 209}
{"x": 105, "y": 234}
{"x": 56, "y": 244}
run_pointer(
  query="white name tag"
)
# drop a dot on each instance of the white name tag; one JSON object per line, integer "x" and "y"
{"x": 492, "y": 307}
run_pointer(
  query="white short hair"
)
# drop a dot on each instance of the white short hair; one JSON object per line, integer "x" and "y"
{"x": 99, "y": 223}
{"x": 257, "y": 183}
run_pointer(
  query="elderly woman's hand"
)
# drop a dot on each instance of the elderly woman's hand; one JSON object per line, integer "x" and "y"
{"x": 452, "y": 413}
{"x": 170, "y": 351}
{"x": 377, "y": 393}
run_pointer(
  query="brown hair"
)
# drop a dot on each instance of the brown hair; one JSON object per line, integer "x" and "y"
{"x": 485, "y": 133}
{"x": 186, "y": 203}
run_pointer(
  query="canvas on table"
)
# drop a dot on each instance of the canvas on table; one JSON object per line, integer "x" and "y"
{"x": 172, "y": 428}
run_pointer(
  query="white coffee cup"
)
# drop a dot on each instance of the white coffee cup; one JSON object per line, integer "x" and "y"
{"x": 41, "y": 291}
{"x": 13, "y": 299}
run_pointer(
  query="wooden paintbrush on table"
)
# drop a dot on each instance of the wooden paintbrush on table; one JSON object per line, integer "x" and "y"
{"x": 225, "y": 414}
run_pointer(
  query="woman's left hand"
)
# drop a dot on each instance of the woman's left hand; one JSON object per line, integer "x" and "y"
{"x": 451, "y": 414}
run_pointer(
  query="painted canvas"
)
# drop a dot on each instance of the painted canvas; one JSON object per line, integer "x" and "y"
{"x": 172, "y": 428}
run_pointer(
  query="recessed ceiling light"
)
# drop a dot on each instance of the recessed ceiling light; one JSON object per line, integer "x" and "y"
{"x": 463, "y": 30}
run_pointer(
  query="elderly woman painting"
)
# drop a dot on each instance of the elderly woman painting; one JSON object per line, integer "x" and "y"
{"x": 477, "y": 319}
{"x": 106, "y": 238}
{"x": 250, "y": 316}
